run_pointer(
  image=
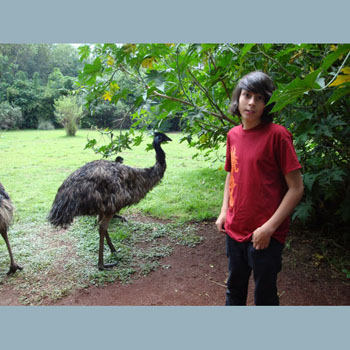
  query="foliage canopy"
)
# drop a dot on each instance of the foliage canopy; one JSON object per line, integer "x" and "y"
{"x": 32, "y": 76}
{"x": 194, "y": 82}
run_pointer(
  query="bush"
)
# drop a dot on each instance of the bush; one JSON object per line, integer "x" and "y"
{"x": 45, "y": 125}
{"x": 68, "y": 113}
{"x": 10, "y": 117}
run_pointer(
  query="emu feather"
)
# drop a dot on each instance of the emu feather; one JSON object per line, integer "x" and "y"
{"x": 103, "y": 188}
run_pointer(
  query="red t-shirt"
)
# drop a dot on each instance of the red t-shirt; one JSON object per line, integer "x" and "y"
{"x": 257, "y": 159}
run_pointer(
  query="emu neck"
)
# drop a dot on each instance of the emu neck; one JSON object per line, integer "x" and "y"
{"x": 160, "y": 155}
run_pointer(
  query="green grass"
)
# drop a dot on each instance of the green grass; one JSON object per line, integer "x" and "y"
{"x": 33, "y": 164}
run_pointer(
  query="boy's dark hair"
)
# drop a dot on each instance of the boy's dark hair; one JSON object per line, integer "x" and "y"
{"x": 259, "y": 83}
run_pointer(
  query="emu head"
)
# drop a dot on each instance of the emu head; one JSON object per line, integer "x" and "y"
{"x": 160, "y": 138}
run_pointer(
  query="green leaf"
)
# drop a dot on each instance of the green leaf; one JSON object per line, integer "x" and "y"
{"x": 303, "y": 210}
{"x": 137, "y": 140}
{"x": 159, "y": 79}
{"x": 310, "y": 80}
{"x": 295, "y": 89}
{"x": 93, "y": 68}
{"x": 245, "y": 50}
{"x": 338, "y": 94}
{"x": 91, "y": 144}
{"x": 309, "y": 180}
{"x": 84, "y": 52}
{"x": 332, "y": 57}
{"x": 337, "y": 175}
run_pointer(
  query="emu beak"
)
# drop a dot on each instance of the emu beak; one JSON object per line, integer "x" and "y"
{"x": 166, "y": 138}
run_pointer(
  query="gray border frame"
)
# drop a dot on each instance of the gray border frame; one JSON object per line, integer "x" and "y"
{"x": 266, "y": 21}
{"x": 77, "y": 21}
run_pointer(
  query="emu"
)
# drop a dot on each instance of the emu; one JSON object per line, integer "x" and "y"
{"x": 103, "y": 188}
{"x": 6, "y": 215}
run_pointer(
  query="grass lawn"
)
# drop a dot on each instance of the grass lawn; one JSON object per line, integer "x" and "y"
{"x": 33, "y": 164}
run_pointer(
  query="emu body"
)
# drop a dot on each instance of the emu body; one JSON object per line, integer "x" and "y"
{"x": 6, "y": 215}
{"x": 103, "y": 188}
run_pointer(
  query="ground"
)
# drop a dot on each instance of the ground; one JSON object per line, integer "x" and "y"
{"x": 196, "y": 276}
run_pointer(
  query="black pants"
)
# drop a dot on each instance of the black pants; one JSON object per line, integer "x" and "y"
{"x": 265, "y": 263}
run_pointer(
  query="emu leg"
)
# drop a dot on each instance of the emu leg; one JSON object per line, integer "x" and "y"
{"x": 121, "y": 218}
{"x": 109, "y": 242}
{"x": 13, "y": 266}
{"x": 103, "y": 227}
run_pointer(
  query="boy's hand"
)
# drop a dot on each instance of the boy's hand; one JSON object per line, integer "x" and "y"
{"x": 261, "y": 237}
{"x": 220, "y": 222}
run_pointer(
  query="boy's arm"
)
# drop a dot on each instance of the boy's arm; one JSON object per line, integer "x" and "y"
{"x": 262, "y": 235}
{"x": 220, "y": 222}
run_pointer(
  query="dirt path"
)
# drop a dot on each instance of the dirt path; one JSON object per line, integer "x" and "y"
{"x": 197, "y": 277}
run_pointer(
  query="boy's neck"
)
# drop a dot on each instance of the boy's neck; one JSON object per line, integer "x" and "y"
{"x": 247, "y": 126}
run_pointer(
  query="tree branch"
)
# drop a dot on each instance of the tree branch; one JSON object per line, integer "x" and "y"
{"x": 275, "y": 61}
{"x": 179, "y": 77}
{"x": 205, "y": 91}
{"x": 220, "y": 116}
{"x": 220, "y": 79}
{"x": 335, "y": 77}
{"x": 207, "y": 124}
{"x": 123, "y": 118}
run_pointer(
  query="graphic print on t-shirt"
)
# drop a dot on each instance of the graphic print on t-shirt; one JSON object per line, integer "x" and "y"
{"x": 234, "y": 169}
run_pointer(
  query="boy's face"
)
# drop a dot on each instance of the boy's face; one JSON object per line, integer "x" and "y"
{"x": 251, "y": 107}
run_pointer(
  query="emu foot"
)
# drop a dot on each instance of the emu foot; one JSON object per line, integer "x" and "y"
{"x": 14, "y": 268}
{"x": 106, "y": 266}
{"x": 121, "y": 218}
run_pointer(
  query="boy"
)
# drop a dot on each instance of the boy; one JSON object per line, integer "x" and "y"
{"x": 263, "y": 186}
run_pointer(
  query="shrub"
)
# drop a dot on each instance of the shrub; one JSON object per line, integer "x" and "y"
{"x": 68, "y": 113}
{"x": 10, "y": 117}
{"x": 45, "y": 125}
